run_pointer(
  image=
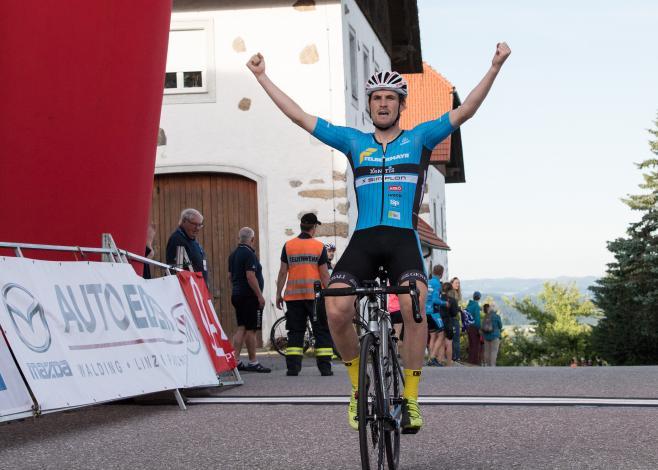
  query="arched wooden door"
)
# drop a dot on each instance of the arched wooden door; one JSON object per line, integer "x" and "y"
{"x": 227, "y": 202}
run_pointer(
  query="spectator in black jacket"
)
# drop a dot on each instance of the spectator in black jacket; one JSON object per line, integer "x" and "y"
{"x": 189, "y": 227}
{"x": 449, "y": 315}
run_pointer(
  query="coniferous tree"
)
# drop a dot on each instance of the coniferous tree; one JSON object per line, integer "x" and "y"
{"x": 628, "y": 294}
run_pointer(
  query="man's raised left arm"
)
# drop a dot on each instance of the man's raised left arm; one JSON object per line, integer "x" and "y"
{"x": 475, "y": 98}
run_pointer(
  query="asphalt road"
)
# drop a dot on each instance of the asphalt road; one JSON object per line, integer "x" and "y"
{"x": 317, "y": 436}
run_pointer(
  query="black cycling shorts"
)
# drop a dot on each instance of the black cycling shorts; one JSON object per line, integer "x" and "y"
{"x": 396, "y": 317}
{"x": 448, "y": 323}
{"x": 396, "y": 249}
{"x": 247, "y": 311}
{"x": 432, "y": 327}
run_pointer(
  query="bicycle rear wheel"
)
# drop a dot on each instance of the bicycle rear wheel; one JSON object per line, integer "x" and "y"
{"x": 393, "y": 383}
{"x": 279, "y": 337}
{"x": 371, "y": 406}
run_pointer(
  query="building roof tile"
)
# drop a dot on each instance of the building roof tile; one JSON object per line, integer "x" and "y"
{"x": 429, "y": 237}
{"x": 430, "y": 96}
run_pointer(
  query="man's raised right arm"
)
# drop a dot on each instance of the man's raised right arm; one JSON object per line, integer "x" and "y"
{"x": 291, "y": 109}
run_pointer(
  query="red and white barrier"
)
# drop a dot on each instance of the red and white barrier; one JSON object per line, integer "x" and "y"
{"x": 217, "y": 343}
{"x": 85, "y": 332}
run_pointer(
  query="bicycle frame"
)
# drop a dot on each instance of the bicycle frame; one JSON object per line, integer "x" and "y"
{"x": 376, "y": 321}
{"x": 383, "y": 410}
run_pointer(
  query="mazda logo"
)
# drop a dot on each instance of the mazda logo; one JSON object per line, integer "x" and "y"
{"x": 22, "y": 305}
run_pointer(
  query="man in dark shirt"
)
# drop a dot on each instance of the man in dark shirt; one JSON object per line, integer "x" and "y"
{"x": 246, "y": 274}
{"x": 189, "y": 226}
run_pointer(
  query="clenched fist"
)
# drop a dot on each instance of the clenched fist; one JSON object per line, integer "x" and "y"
{"x": 502, "y": 53}
{"x": 256, "y": 64}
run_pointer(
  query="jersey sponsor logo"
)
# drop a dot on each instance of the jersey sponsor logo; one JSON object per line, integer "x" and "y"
{"x": 395, "y": 215}
{"x": 395, "y": 195}
{"x": 401, "y": 178}
{"x": 400, "y": 156}
{"x": 378, "y": 170}
{"x": 396, "y": 187}
{"x": 394, "y": 202}
{"x": 364, "y": 180}
{"x": 404, "y": 141}
{"x": 366, "y": 155}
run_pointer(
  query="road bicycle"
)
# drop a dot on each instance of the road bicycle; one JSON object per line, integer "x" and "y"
{"x": 279, "y": 337}
{"x": 381, "y": 380}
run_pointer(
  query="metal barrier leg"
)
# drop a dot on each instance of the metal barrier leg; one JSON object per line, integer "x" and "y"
{"x": 180, "y": 400}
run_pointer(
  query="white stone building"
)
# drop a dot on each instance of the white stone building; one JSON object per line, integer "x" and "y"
{"x": 228, "y": 151}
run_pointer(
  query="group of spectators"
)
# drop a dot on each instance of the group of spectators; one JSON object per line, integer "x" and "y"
{"x": 245, "y": 272}
{"x": 302, "y": 258}
{"x": 448, "y": 318}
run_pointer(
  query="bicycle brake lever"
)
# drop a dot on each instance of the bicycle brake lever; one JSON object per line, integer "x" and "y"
{"x": 413, "y": 292}
{"x": 317, "y": 293}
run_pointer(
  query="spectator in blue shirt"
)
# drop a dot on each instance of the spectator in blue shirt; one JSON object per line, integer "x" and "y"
{"x": 434, "y": 322}
{"x": 492, "y": 327}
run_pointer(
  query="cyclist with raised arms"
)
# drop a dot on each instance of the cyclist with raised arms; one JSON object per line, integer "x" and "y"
{"x": 389, "y": 167}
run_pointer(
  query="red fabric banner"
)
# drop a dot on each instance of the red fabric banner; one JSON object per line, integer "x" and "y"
{"x": 81, "y": 94}
{"x": 217, "y": 343}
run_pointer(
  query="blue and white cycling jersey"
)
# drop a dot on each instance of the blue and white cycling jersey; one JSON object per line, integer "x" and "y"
{"x": 389, "y": 184}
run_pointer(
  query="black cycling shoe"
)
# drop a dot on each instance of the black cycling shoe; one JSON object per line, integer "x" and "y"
{"x": 292, "y": 373}
{"x": 326, "y": 373}
{"x": 257, "y": 368}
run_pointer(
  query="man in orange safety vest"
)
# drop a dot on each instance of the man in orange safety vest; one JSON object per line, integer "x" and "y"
{"x": 304, "y": 261}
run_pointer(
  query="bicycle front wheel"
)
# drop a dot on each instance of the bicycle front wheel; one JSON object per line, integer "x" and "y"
{"x": 371, "y": 409}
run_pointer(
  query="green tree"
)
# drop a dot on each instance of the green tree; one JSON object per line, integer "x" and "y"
{"x": 559, "y": 333}
{"x": 628, "y": 293}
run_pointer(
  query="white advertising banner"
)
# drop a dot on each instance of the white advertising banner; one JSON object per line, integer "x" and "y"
{"x": 14, "y": 397}
{"x": 86, "y": 332}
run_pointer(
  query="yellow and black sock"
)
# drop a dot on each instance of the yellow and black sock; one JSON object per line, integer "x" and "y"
{"x": 411, "y": 381}
{"x": 353, "y": 372}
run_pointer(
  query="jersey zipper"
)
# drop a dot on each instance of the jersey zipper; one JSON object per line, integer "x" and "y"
{"x": 381, "y": 218}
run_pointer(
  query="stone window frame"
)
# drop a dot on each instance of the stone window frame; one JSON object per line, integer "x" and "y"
{"x": 191, "y": 95}
{"x": 354, "y": 65}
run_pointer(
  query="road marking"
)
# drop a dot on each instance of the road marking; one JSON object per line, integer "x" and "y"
{"x": 434, "y": 400}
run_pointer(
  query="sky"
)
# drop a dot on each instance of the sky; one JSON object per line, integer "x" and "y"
{"x": 551, "y": 151}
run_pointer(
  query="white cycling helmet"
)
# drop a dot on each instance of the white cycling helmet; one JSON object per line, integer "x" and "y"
{"x": 386, "y": 81}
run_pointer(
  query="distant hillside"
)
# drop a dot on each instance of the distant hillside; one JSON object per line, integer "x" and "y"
{"x": 519, "y": 288}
